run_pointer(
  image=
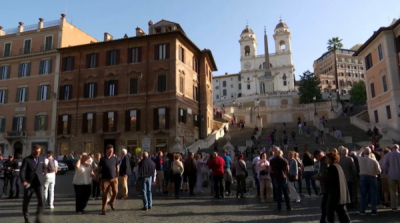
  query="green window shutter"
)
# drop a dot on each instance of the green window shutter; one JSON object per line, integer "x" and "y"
{"x": 37, "y": 122}
{"x": 45, "y": 122}
{"x": 41, "y": 67}
{"x": 20, "y": 70}
{"x": 14, "y": 124}
{"x": 5, "y": 96}
{"x": 26, "y": 94}
{"x": 3, "y": 124}
{"x": 23, "y": 123}
{"x": 48, "y": 92}
{"x": 39, "y": 92}
{"x": 18, "y": 93}
{"x": 28, "y": 73}
{"x": 49, "y": 66}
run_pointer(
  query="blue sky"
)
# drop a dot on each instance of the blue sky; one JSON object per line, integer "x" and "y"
{"x": 217, "y": 24}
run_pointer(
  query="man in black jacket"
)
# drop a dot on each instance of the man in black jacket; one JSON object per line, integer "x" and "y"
{"x": 124, "y": 171}
{"x": 147, "y": 170}
{"x": 190, "y": 168}
{"x": 32, "y": 176}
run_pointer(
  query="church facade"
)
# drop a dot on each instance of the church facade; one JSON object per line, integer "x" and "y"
{"x": 260, "y": 73}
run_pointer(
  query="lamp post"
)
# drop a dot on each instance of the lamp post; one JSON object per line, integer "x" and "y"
{"x": 330, "y": 97}
{"x": 258, "y": 107}
{"x": 315, "y": 105}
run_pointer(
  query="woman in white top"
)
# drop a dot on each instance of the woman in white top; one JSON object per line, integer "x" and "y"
{"x": 82, "y": 182}
{"x": 177, "y": 171}
{"x": 265, "y": 179}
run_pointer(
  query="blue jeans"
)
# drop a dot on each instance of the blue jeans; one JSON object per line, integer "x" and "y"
{"x": 146, "y": 191}
{"x": 372, "y": 183}
{"x": 132, "y": 178}
{"x": 309, "y": 180}
{"x": 281, "y": 186}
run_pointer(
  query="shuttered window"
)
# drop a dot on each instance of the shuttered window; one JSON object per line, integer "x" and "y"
{"x": 24, "y": 69}
{"x": 162, "y": 83}
{"x": 133, "y": 86}
{"x": 45, "y": 67}
{"x": 41, "y": 123}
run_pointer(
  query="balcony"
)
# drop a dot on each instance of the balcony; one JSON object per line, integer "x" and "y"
{"x": 24, "y": 51}
{"x": 45, "y": 48}
{"x": 15, "y": 134}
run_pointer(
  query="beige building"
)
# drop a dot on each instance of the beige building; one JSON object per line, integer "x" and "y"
{"x": 350, "y": 70}
{"x": 381, "y": 53}
{"x": 29, "y": 65}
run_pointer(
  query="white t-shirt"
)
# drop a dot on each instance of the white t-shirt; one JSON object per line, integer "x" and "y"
{"x": 255, "y": 162}
{"x": 82, "y": 175}
{"x": 46, "y": 162}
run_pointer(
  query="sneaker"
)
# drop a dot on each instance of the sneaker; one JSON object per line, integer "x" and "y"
{"x": 361, "y": 212}
{"x": 380, "y": 206}
{"x": 374, "y": 213}
{"x": 394, "y": 209}
{"x": 52, "y": 207}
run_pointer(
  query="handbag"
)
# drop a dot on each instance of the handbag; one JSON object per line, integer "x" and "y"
{"x": 264, "y": 172}
{"x": 246, "y": 173}
{"x": 293, "y": 178}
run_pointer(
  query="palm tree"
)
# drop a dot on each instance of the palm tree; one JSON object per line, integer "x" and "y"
{"x": 335, "y": 44}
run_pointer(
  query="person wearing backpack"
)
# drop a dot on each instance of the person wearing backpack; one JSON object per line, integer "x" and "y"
{"x": 51, "y": 167}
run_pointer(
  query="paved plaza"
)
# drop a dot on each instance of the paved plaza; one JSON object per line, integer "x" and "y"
{"x": 201, "y": 208}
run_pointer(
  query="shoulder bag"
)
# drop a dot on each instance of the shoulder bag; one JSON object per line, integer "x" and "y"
{"x": 246, "y": 173}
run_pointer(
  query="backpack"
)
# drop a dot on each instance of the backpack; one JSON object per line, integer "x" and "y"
{"x": 51, "y": 167}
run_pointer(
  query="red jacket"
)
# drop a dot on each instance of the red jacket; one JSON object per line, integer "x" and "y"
{"x": 217, "y": 166}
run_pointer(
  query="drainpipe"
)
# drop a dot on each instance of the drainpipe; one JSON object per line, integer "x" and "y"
{"x": 146, "y": 84}
{"x": 77, "y": 98}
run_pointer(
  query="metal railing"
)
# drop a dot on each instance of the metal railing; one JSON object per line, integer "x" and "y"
{"x": 44, "y": 48}
{"x": 23, "y": 51}
{"x": 10, "y": 31}
{"x": 15, "y": 134}
{"x": 30, "y": 27}
{"x": 51, "y": 23}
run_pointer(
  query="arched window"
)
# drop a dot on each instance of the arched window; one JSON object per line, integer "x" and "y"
{"x": 223, "y": 83}
{"x": 224, "y": 92}
{"x": 217, "y": 96}
{"x": 247, "y": 51}
{"x": 282, "y": 45}
{"x": 284, "y": 80}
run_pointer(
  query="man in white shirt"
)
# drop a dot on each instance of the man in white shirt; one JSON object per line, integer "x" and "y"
{"x": 51, "y": 168}
{"x": 255, "y": 171}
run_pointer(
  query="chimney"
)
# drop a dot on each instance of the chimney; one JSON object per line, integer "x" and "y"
{"x": 62, "y": 20}
{"x": 107, "y": 37}
{"x": 2, "y": 33}
{"x": 150, "y": 27}
{"x": 40, "y": 24}
{"x": 20, "y": 27}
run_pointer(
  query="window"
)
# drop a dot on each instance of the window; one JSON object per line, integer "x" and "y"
{"x": 231, "y": 85}
{"x": 372, "y": 90}
{"x": 223, "y": 83}
{"x": 388, "y": 113}
{"x": 195, "y": 65}
{"x": 22, "y": 94}
{"x": 216, "y": 87}
{"x": 132, "y": 120}
{"x": 196, "y": 121}
{"x": 161, "y": 118}
{"x": 182, "y": 116}
{"x": 224, "y": 92}
{"x": 90, "y": 90}
{"x": 68, "y": 64}
{"x": 161, "y": 51}
{"x": 239, "y": 78}
{"x": 18, "y": 124}
{"x": 380, "y": 53}
{"x": 376, "y": 116}
{"x": 7, "y": 50}
{"x": 4, "y": 72}
{"x": 248, "y": 87}
{"x": 24, "y": 69}
{"x": 362, "y": 75}
{"x": 196, "y": 93}
{"x": 92, "y": 60}
{"x": 43, "y": 93}
{"x": 2, "y": 124}
{"x": 333, "y": 82}
{"x": 368, "y": 61}
{"x": 112, "y": 57}
{"x": 247, "y": 51}
{"x": 111, "y": 88}
{"x": 48, "y": 43}
{"x": 133, "y": 86}
{"x": 182, "y": 54}
{"x": 27, "y": 46}
{"x": 40, "y": 122}
{"x": 162, "y": 83}
{"x": 65, "y": 92}
{"x": 89, "y": 123}
{"x": 181, "y": 84}
{"x": 135, "y": 55}
{"x": 240, "y": 86}
{"x": 45, "y": 67}
{"x": 89, "y": 146}
{"x": 217, "y": 96}
{"x": 64, "y": 125}
{"x": 384, "y": 83}
{"x": 284, "y": 83}
{"x": 3, "y": 96}
{"x": 110, "y": 121}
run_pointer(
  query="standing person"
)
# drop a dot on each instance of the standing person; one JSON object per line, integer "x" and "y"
{"x": 190, "y": 167}
{"x": 308, "y": 172}
{"x": 147, "y": 170}
{"x": 391, "y": 167}
{"x": 95, "y": 183}
{"x": 265, "y": 179}
{"x": 285, "y": 143}
{"x": 51, "y": 166}
{"x": 322, "y": 137}
{"x": 159, "y": 160}
{"x": 369, "y": 134}
{"x": 125, "y": 170}
{"x": 255, "y": 169}
{"x": 338, "y": 193}
{"x": 300, "y": 128}
{"x": 201, "y": 170}
{"x": 177, "y": 171}
{"x": 16, "y": 166}
{"x": 294, "y": 136}
{"x": 240, "y": 169}
{"x": 350, "y": 171}
{"x": 32, "y": 176}
{"x": 384, "y": 178}
{"x": 308, "y": 130}
{"x": 216, "y": 146}
{"x": 369, "y": 171}
{"x": 284, "y": 128}
{"x": 81, "y": 182}
{"x": 293, "y": 177}
{"x": 227, "y": 172}
{"x": 8, "y": 177}
{"x": 109, "y": 169}
{"x": 279, "y": 167}
{"x": 316, "y": 134}
{"x": 322, "y": 177}
{"x": 300, "y": 171}
{"x": 217, "y": 164}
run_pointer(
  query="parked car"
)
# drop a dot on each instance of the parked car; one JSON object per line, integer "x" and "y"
{"x": 62, "y": 168}
{"x": 1, "y": 168}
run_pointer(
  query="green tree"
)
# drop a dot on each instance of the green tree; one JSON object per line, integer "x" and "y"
{"x": 335, "y": 44}
{"x": 358, "y": 93}
{"x": 309, "y": 88}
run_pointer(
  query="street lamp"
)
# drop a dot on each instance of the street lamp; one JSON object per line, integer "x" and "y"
{"x": 258, "y": 107}
{"x": 330, "y": 97}
{"x": 315, "y": 105}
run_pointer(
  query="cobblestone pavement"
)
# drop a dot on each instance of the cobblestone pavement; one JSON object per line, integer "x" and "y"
{"x": 201, "y": 208}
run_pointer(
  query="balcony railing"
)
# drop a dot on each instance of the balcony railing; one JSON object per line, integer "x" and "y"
{"x": 51, "y": 23}
{"x": 10, "y": 31}
{"x": 23, "y": 51}
{"x": 15, "y": 134}
{"x": 45, "y": 48}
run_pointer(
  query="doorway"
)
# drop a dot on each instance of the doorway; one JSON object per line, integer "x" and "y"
{"x": 107, "y": 142}
{"x": 17, "y": 148}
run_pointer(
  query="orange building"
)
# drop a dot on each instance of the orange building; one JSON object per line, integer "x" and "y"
{"x": 381, "y": 53}
{"x": 29, "y": 65}
{"x": 141, "y": 91}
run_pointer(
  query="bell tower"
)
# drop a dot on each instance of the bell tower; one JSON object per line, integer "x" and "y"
{"x": 248, "y": 48}
{"x": 282, "y": 38}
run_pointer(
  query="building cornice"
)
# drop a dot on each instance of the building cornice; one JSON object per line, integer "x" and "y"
{"x": 25, "y": 56}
